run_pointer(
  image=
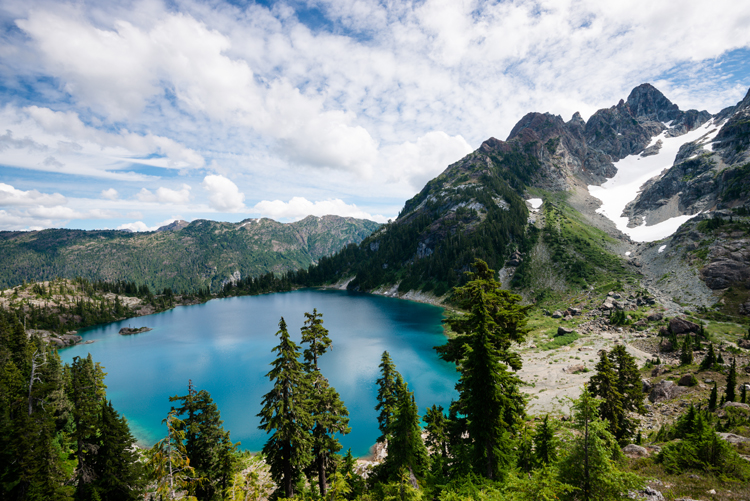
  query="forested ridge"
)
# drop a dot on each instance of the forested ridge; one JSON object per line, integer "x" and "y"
{"x": 190, "y": 258}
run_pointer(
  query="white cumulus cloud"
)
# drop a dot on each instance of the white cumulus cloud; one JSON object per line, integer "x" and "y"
{"x": 137, "y": 226}
{"x": 165, "y": 195}
{"x": 110, "y": 194}
{"x": 300, "y": 207}
{"x": 223, "y": 194}
{"x": 10, "y": 196}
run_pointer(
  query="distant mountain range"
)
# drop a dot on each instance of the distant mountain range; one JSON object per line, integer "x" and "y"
{"x": 182, "y": 256}
{"x": 479, "y": 208}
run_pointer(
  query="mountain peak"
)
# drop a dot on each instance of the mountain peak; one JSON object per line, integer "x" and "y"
{"x": 173, "y": 226}
{"x": 647, "y": 102}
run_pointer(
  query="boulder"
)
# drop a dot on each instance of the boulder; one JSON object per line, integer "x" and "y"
{"x": 732, "y": 438}
{"x": 664, "y": 390}
{"x": 655, "y": 317}
{"x": 738, "y": 405}
{"x": 635, "y": 451}
{"x": 574, "y": 369}
{"x": 608, "y": 304}
{"x": 647, "y": 494}
{"x": 724, "y": 272}
{"x": 574, "y": 311}
{"x": 557, "y": 314}
{"x": 666, "y": 346}
{"x": 646, "y": 385}
{"x": 659, "y": 370}
{"x": 681, "y": 326}
{"x": 561, "y": 331}
{"x": 687, "y": 380}
{"x": 744, "y": 343}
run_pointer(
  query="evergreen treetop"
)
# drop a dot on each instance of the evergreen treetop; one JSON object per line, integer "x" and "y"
{"x": 286, "y": 415}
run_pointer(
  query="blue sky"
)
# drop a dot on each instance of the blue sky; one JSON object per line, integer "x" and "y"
{"x": 131, "y": 114}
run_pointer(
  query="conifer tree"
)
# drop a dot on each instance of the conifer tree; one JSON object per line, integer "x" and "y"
{"x": 730, "y": 392}
{"x": 488, "y": 391}
{"x": 545, "y": 444}
{"x": 629, "y": 386}
{"x": 603, "y": 384}
{"x": 86, "y": 392}
{"x": 710, "y": 359}
{"x": 686, "y": 353}
{"x": 327, "y": 411}
{"x": 316, "y": 337}
{"x": 168, "y": 462}
{"x": 590, "y": 464}
{"x": 712, "y": 398}
{"x": 207, "y": 444}
{"x": 406, "y": 450}
{"x": 117, "y": 467}
{"x": 437, "y": 431}
{"x": 286, "y": 413}
{"x": 387, "y": 395}
{"x": 525, "y": 451}
{"x": 743, "y": 394}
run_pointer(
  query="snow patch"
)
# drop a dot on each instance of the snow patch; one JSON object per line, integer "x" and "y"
{"x": 535, "y": 203}
{"x": 627, "y": 253}
{"x": 661, "y": 249}
{"x": 632, "y": 172}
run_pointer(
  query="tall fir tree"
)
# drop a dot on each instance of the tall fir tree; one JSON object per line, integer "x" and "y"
{"x": 630, "y": 387}
{"x": 489, "y": 397}
{"x": 168, "y": 464}
{"x": 686, "y": 352}
{"x": 545, "y": 443}
{"x": 316, "y": 337}
{"x": 731, "y": 391}
{"x": 590, "y": 463}
{"x": 603, "y": 384}
{"x": 328, "y": 412}
{"x": 406, "y": 450}
{"x": 387, "y": 395}
{"x": 86, "y": 392}
{"x": 117, "y": 466}
{"x": 712, "y": 398}
{"x": 286, "y": 415}
{"x": 710, "y": 359}
{"x": 207, "y": 444}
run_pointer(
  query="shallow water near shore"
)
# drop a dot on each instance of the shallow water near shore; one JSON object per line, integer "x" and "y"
{"x": 225, "y": 345}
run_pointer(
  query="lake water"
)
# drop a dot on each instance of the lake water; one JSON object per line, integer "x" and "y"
{"x": 225, "y": 345}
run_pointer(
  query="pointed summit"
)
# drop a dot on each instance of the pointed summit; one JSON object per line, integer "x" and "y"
{"x": 647, "y": 102}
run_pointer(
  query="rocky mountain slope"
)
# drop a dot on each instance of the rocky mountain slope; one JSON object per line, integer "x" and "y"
{"x": 675, "y": 163}
{"x": 181, "y": 256}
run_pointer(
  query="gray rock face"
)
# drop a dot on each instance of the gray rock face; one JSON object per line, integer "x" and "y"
{"x": 647, "y": 494}
{"x": 726, "y": 270}
{"x": 635, "y": 451}
{"x": 561, "y": 331}
{"x": 681, "y": 326}
{"x": 646, "y": 385}
{"x": 665, "y": 390}
{"x": 732, "y": 438}
{"x": 687, "y": 380}
{"x": 737, "y": 405}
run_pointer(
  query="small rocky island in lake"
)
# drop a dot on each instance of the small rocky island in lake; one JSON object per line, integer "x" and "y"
{"x": 126, "y": 331}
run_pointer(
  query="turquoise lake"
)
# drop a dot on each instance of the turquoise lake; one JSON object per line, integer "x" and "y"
{"x": 225, "y": 345}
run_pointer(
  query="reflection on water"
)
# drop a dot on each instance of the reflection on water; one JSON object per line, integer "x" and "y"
{"x": 225, "y": 345}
